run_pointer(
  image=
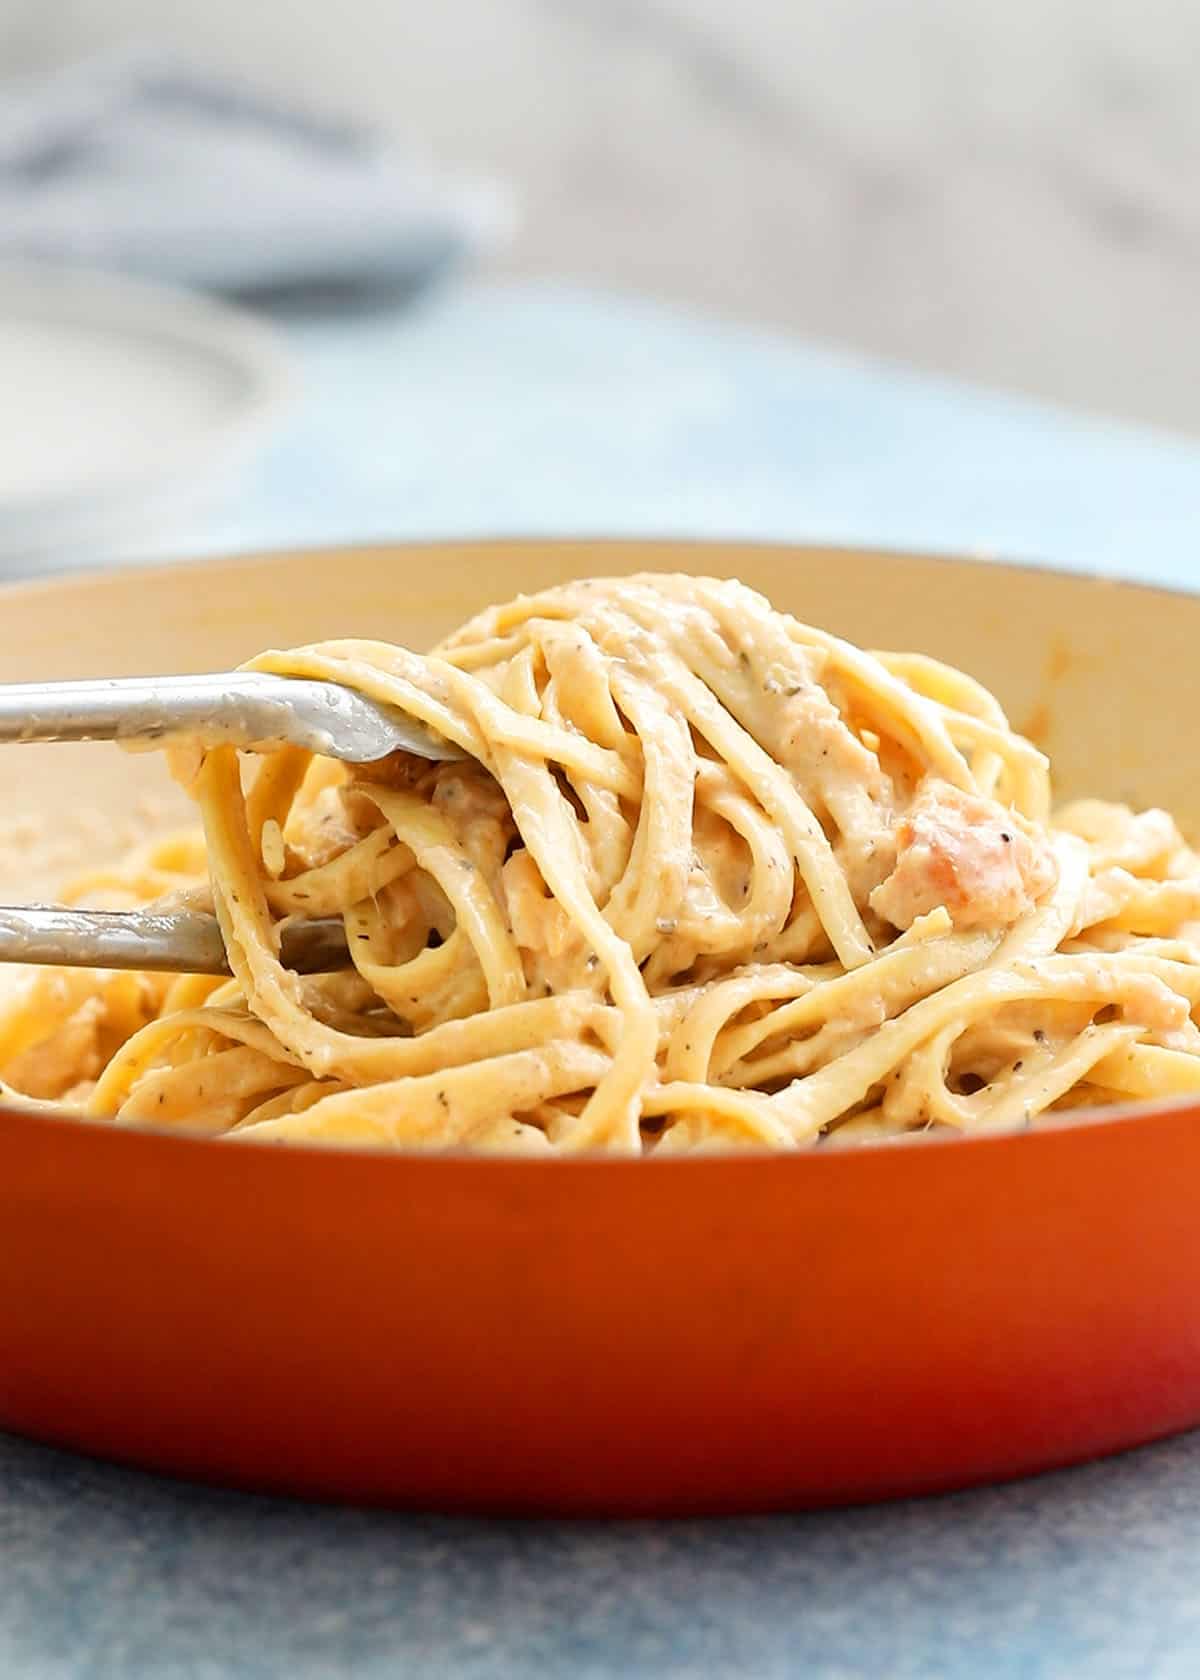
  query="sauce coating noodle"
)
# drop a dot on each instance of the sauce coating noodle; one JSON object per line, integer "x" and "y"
{"x": 710, "y": 878}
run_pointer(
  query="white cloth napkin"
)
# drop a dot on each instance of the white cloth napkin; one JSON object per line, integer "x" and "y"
{"x": 142, "y": 163}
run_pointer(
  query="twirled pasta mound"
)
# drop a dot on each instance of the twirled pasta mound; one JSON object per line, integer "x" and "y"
{"x": 709, "y": 878}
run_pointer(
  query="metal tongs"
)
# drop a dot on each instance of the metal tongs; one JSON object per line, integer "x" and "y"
{"x": 249, "y": 709}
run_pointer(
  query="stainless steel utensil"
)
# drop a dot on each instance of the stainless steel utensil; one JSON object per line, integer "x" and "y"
{"x": 171, "y": 942}
{"x": 250, "y": 709}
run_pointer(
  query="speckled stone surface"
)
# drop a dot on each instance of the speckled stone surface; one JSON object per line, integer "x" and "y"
{"x": 508, "y": 409}
{"x": 1091, "y": 1572}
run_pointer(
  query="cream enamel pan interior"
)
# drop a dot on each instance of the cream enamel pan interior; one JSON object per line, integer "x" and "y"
{"x": 601, "y": 1335}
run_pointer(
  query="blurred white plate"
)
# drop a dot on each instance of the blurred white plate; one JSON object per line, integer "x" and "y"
{"x": 121, "y": 406}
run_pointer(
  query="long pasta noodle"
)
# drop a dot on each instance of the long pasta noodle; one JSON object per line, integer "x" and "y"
{"x": 709, "y": 878}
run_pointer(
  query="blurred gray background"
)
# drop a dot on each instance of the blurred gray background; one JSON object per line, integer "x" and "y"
{"x": 1007, "y": 192}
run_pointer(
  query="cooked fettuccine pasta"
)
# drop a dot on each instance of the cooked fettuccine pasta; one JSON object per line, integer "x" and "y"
{"x": 709, "y": 878}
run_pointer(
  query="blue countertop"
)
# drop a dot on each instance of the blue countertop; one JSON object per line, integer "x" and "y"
{"x": 1090, "y": 1573}
{"x": 542, "y": 410}
{"x": 539, "y": 410}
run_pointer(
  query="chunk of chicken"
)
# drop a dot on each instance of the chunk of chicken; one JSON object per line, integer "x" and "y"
{"x": 986, "y": 865}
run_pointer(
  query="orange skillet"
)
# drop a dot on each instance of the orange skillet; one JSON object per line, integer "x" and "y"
{"x": 596, "y": 1335}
